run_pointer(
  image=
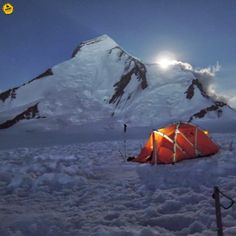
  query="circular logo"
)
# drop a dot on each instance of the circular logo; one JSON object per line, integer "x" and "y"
{"x": 8, "y": 8}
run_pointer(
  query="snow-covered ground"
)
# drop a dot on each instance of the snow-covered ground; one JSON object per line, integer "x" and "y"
{"x": 88, "y": 189}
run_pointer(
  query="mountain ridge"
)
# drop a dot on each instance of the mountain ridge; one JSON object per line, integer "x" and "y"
{"x": 102, "y": 81}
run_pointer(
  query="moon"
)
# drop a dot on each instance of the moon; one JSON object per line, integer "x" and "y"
{"x": 166, "y": 60}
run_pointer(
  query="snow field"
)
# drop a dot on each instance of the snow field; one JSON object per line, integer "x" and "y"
{"x": 88, "y": 189}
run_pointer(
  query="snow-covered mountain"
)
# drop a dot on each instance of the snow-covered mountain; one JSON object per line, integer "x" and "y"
{"x": 103, "y": 84}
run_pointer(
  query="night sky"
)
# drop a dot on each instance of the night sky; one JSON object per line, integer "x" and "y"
{"x": 40, "y": 34}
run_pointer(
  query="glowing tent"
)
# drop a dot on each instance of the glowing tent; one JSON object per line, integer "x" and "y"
{"x": 176, "y": 142}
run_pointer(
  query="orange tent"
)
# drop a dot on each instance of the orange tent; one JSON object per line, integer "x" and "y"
{"x": 176, "y": 142}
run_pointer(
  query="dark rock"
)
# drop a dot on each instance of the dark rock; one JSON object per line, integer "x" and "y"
{"x": 139, "y": 70}
{"x": 190, "y": 91}
{"x": 46, "y": 73}
{"x": 11, "y": 93}
{"x": 31, "y": 113}
{"x": 215, "y": 107}
{"x": 76, "y": 50}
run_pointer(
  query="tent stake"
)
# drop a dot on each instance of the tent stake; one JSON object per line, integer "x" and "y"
{"x": 216, "y": 196}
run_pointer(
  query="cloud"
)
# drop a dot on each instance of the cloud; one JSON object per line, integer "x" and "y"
{"x": 232, "y": 102}
{"x": 211, "y": 82}
{"x": 204, "y": 75}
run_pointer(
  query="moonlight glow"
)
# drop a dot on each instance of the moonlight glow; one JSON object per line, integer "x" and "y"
{"x": 165, "y": 60}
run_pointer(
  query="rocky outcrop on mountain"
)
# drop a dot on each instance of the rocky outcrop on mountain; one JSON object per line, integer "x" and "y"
{"x": 133, "y": 68}
{"x": 216, "y": 107}
{"x": 195, "y": 85}
{"x": 30, "y": 113}
{"x": 11, "y": 93}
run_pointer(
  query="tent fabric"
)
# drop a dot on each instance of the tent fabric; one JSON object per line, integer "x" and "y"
{"x": 176, "y": 142}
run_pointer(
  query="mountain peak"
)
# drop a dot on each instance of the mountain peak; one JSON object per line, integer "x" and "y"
{"x": 104, "y": 42}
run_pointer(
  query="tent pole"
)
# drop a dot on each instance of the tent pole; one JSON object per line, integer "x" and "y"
{"x": 175, "y": 140}
{"x": 154, "y": 145}
{"x": 125, "y": 129}
{"x": 195, "y": 142}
